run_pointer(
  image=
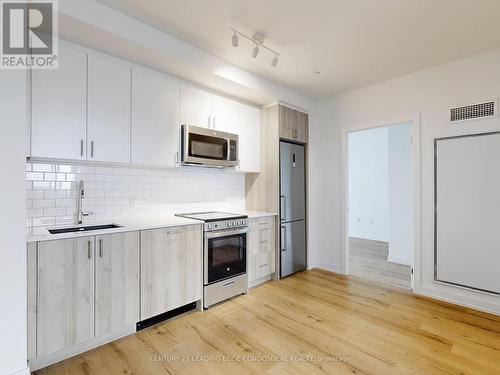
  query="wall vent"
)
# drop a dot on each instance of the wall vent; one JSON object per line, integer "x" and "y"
{"x": 474, "y": 111}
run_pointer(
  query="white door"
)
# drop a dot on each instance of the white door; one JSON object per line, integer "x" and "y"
{"x": 237, "y": 118}
{"x": 59, "y": 107}
{"x": 195, "y": 107}
{"x": 109, "y": 110}
{"x": 155, "y": 118}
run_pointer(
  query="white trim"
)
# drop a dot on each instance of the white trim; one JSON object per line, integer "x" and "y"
{"x": 327, "y": 266}
{"x": 403, "y": 261}
{"x": 368, "y": 237}
{"x": 432, "y": 291}
{"x": 415, "y": 121}
{"x": 24, "y": 371}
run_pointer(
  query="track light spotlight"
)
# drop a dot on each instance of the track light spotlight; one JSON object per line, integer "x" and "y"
{"x": 235, "y": 40}
{"x": 274, "y": 62}
{"x": 255, "y": 51}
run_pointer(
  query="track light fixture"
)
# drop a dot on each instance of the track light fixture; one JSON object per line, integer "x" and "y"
{"x": 255, "y": 51}
{"x": 235, "y": 39}
{"x": 258, "y": 42}
{"x": 274, "y": 62}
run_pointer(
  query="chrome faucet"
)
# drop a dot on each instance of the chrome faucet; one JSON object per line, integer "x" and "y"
{"x": 81, "y": 196}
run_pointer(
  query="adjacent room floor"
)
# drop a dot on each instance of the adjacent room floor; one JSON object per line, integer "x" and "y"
{"x": 369, "y": 261}
{"x": 314, "y": 322}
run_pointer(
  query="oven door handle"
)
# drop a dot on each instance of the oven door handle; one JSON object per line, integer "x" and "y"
{"x": 225, "y": 233}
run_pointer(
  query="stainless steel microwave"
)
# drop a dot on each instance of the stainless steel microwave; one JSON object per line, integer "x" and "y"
{"x": 208, "y": 147}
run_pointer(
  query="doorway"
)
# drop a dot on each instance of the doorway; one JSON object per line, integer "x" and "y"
{"x": 379, "y": 198}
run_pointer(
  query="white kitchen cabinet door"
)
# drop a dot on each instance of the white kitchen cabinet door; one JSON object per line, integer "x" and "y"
{"x": 65, "y": 299}
{"x": 155, "y": 118}
{"x": 171, "y": 268}
{"x": 59, "y": 107}
{"x": 195, "y": 107}
{"x": 116, "y": 282}
{"x": 237, "y": 118}
{"x": 109, "y": 110}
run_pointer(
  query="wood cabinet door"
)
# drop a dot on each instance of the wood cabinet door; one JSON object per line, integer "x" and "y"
{"x": 285, "y": 118}
{"x": 116, "y": 282}
{"x": 155, "y": 118}
{"x": 109, "y": 110}
{"x": 195, "y": 107}
{"x": 293, "y": 124}
{"x": 65, "y": 299}
{"x": 302, "y": 127}
{"x": 171, "y": 268}
{"x": 59, "y": 107}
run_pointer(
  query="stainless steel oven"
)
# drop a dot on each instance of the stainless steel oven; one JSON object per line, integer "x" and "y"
{"x": 225, "y": 255}
{"x": 208, "y": 147}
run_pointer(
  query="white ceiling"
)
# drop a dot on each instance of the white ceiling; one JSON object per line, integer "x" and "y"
{"x": 353, "y": 43}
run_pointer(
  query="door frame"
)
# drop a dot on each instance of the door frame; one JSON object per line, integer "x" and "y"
{"x": 415, "y": 121}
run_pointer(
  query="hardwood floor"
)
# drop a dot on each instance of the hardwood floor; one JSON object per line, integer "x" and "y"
{"x": 369, "y": 260}
{"x": 314, "y": 322}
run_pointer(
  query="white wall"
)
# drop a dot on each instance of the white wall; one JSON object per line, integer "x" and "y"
{"x": 369, "y": 184}
{"x": 13, "y": 294}
{"x": 429, "y": 93}
{"x": 399, "y": 184}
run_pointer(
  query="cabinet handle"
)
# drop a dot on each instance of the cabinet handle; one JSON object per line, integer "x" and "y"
{"x": 91, "y": 149}
{"x": 209, "y": 121}
{"x": 100, "y": 248}
{"x": 176, "y": 158}
{"x": 264, "y": 241}
{"x": 89, "y": 249}
{"x": 283, "y": 238}
{"x": 263, "y": 265}
{"x": 174, "y": 232}
{"x": 213, "y": 122}
{"x": 228, "y": 284}
{"x": 81, "y": 147}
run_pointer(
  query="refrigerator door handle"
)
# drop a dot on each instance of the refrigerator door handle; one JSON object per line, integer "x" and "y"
{"x": 282, "y": 207}
{"x": 283, "y": 238}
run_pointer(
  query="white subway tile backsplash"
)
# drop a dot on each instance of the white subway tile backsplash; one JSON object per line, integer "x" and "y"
{"x": 44, "y": 203}
{"x": 34, "y": 176}
{"x": 114, "y": 192}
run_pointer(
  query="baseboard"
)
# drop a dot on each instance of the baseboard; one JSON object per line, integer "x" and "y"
{"x": 368, "y": 237}
{"x": 24, "y": 371}
{"x": 332, "y": 267}
{"x": 470, "y": 302}
{"x": 403, "y": 261}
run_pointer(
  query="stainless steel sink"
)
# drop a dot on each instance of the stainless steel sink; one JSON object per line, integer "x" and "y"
{"x": 86, "y": 228}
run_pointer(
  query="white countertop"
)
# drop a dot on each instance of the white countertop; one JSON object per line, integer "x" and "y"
{"x": 127, "y": 225}
{"x": 256, "y": 214}
{"x": 131, "y": 224}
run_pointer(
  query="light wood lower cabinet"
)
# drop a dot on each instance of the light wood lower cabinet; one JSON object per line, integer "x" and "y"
{"x": 116, "y": 282}
{"x": 65, "y": 298}
{"x": 261, "y": 248}
{"x": 171, "y": 268}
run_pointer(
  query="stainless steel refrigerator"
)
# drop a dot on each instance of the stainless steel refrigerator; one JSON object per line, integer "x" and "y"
{"x": 292, "y": 208}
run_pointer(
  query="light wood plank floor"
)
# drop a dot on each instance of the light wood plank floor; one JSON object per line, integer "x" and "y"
{"x": 298, "y": 326}
{"x": 369, "y": 260}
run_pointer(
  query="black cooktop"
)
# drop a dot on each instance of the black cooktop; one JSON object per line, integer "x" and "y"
{"x": 212, "y": 216}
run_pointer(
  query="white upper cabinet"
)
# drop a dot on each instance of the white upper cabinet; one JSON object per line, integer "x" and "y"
{"x": 155, "y": 118}
{"x": 59, "y": 119}
{"x": 108, "y": 110}
{"x": 195, "y": 107}
{"x": 234, "y": 117}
